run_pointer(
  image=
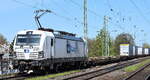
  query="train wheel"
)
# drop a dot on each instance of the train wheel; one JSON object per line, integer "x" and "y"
{"x": 56, "y": 68}
{"x": 21, "y": 69}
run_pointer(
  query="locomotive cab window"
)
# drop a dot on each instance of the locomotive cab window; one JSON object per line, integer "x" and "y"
{"x": 52, "y": 42}
{"x": 33, "y": 39}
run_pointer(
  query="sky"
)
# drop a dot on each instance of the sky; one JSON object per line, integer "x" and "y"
{"x": 128, "y": 16}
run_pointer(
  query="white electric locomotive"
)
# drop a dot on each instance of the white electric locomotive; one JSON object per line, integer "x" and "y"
{"x": 46, "y": 48}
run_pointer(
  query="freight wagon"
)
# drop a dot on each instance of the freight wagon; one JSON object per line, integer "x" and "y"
{"x": 127, "y": 50}
{"x": 130, "y": 50}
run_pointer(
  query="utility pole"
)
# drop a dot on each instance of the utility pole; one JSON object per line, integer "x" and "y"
{"x": 85, "y": 26}
{"x": 105, "y": 42}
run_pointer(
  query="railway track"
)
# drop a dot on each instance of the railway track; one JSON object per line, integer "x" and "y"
{"x": 135, "y": 74}
{"x": 99, "y": 72}
{"x": 15, "y": 77}
{"x": 148, "y": 77}
{"x": 80, "y": 77}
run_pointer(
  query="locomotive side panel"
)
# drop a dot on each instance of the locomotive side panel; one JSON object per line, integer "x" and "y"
{"x": 60, "y": 48}
{"x": 69, "y": 49}
{"x": 81, "y": 49}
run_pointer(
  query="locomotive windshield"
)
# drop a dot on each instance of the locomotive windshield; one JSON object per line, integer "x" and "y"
{"x": 28, "y": 39}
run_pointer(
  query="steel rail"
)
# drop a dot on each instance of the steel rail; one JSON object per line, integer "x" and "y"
{"x": 137, "y": 71}
{"x": 96, "y": 73}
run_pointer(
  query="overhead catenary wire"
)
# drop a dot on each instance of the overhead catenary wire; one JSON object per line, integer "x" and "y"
{"x": 89, "y": 10}
{"x": 109, "y": 5}
{"x": 56, "y": 14}
{"x": 60, "y": 7}
{"x": 139, "y": 11}
{"x": 68, "y": 13}
{"x": 42, "y": 3}
{"x": 35, "y": 7}
{"x": 120, "y": 18}
{"x": 70, "y": 19}
{"x": 59, "y": 15}
{"x": 25, "y": 4}
{"x": 146, "y": 6}
{"x": 111, "y": 9}
{"x": 94, "y": 13}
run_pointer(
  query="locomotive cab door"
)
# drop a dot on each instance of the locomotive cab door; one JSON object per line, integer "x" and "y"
{"x": 49, "y": 48}
{"x": 52, "y": 47}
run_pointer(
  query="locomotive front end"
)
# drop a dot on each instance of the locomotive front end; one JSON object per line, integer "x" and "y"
{"x": 28, "y": 50}
{"x": 27, "y": 46}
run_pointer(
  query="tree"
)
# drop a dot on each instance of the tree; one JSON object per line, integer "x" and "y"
{"x": 91, "y": 47}
{"x": 96, "y": 46}
{"x": 123, "y": 38}
{"x": 11, "y": 46}
{"x": 2, "y": 40}
{"x": 146, "y": 45}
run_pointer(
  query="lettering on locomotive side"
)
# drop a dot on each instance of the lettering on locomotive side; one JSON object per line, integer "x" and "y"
{"x": 71, "y": 48}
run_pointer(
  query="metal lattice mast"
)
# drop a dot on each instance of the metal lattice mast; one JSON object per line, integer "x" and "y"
{"x": 105, "y": 38}
{"x": 85, "y": 25}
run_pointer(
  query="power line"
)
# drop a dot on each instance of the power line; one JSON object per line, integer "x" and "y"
{"x": 121, "y": 19}
{"x": 25, "y": 4}
{"x": 42, "y": 3}
{"x": 109, "y": 5}
{"x": 60, "y": 7}
{"x": 35, "y": 7}
{"x": 139, "y": 11}
{"x": 89, "y": 10}
{"x": 64, "y": 10}
{"x": 56, "y": 14}
{"x": 146, "y": 6}
{"x": 64, "y": 17}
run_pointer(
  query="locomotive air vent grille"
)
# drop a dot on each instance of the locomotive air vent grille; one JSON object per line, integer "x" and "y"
{"x": 33, "y": 56}
{"x": 20, "y": 56}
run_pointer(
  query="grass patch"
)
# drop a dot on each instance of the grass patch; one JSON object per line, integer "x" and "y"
{"x": 136, "y": 66}
{"x": 5, "y": 75}
{"x": 52, "y": 75}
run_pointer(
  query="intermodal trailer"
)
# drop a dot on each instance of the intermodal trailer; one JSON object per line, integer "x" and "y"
{"x": 127, "y": 50}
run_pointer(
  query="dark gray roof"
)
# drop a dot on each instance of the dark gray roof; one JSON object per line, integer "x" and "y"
{"x": 68, "y": 37}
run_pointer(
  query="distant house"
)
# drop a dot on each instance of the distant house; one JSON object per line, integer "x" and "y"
{"x": 4, "y": 49}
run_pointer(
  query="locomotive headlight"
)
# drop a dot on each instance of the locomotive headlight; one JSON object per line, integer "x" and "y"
{"x": 41, "y": 54}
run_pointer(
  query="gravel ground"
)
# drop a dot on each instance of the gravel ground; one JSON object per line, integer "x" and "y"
{"x": 142, "y": 74}
{"x": 83, "y": 71}
{"x": 115, "y": 75}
